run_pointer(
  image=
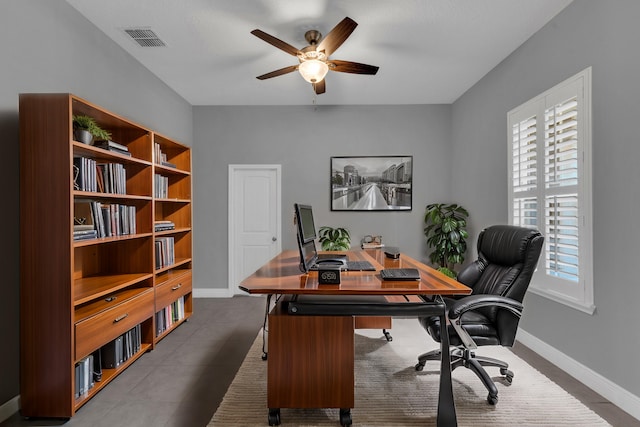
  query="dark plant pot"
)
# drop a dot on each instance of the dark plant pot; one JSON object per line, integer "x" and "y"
{"x": 83, "y": 135}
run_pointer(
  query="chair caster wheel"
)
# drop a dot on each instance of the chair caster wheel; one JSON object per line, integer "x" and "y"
{"x": 492, "y": 399}
{"x": 274, "y": 417}
{"x": 264, "y": 356}
{"x": 345, "y": 417}
{"x": 419, "y": 366}
{"x": 508, "y": 375}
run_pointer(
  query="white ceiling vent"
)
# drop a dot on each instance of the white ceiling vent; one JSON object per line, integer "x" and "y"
{"x": 145, "y": 37}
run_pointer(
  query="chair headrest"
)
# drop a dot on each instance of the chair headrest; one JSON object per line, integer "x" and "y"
{"x": 505, "y": 244}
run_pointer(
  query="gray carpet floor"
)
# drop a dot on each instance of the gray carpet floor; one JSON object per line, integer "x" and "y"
{"x": 182, "y": 382}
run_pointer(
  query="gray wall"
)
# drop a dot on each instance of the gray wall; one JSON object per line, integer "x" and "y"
{"x": 603, "y": 35}
{"x": 48, "y": 47}
{"x": 302, "y": 140}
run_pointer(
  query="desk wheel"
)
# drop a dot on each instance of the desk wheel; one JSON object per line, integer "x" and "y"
{"x": 345, "y": 417}
{"x": 387, "y": 335}
{"x": 264, "y": 356}
{"x": 274, "y": 416}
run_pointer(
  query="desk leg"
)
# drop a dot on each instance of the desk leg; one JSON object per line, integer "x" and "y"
{"x": 446, "y": 405}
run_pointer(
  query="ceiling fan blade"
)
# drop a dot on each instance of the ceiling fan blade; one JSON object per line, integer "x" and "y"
{"x": 276, "y": 42}
{"x": 279, "y": 72}
{"x": 352, "y": 67}
{"x": 332, "y": 41}
{"x": 320, "y": 87}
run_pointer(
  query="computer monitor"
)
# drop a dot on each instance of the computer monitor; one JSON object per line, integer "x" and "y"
{"x": 306, "y": 228}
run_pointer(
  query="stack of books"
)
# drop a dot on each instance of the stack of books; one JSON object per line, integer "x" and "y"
{"x": 113, "y": 147}
{"x": 84, "y": 231}
{"x": 164, "y": 225}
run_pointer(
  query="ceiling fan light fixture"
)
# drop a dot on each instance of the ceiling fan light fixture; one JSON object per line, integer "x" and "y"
{"x": 313, "y": 70}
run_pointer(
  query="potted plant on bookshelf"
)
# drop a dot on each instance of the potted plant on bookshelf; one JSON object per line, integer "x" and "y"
{"x": 86, "y": 130}
{"x": 334, "y": 239}
{"x": 446, "y": 234}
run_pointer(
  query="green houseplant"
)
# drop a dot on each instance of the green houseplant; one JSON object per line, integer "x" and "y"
{"x": 446, "y": 234}
{"x": 334, "y": 239}
{"x": 85, "y": 129}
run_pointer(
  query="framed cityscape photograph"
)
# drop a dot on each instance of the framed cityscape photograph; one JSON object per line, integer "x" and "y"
{"x": 371, "y": 183}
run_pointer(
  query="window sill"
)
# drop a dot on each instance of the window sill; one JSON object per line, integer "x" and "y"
{"x": 563, "y": 299}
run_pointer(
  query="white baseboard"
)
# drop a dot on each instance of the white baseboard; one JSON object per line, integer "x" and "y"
{"x": 9, "y": 408}
{"x": 620, "y": 397}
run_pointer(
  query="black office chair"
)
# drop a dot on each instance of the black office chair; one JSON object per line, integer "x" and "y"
{"x": 499, "y": 278}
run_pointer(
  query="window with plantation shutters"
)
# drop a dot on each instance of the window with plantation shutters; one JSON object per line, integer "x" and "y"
{"x": 550, "y": 186}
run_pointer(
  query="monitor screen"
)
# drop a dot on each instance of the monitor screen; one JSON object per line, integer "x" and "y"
{"x": 304, "y": 219}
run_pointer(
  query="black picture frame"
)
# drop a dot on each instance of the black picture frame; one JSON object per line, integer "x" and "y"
{"x": 371, "y": 183}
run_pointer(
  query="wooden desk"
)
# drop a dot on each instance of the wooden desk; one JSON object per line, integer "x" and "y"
{"x": 311, "y": 357}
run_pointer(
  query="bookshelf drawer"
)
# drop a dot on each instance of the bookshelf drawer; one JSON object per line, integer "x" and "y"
{"x": 93, "y": 332}
{"x": 171, "y": 290}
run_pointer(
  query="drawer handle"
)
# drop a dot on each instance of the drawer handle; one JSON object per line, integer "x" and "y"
{"x": 121, "y": 317}
{"x": 110, "y": 299}
{"x": 175, "y": 288}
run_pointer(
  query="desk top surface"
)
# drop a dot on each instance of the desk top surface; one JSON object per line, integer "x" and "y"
{"x": 282, "y": 275}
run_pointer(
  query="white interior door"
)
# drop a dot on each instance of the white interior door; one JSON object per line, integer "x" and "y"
{"x": 254, "y": 219}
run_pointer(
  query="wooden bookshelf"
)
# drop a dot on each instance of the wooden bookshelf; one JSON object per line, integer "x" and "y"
{"x": 78, "y": 295}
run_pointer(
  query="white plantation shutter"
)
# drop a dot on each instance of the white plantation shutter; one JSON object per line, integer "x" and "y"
{"x": 524, "y": 178}
{"x": 550, "y": 186}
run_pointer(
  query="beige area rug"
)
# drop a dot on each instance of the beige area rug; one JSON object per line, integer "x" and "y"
{"x": 389, "y": 392}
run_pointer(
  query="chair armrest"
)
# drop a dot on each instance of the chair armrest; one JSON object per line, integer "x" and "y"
{"x": 473, "y": 302}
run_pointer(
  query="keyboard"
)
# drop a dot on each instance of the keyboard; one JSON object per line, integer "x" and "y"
{"x": 400, "y": 274}
{"x": 360, "y": 266}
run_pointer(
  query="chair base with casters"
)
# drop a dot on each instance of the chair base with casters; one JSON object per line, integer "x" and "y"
{"x": 461, "y": 356}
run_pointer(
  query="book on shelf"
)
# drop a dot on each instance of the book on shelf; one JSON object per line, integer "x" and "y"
{"x": 164, "y": 251}
{"x": 169, "y": 315}
{"x": 107, "y": 220}
{"x": 112, "y": 178}
{"x": 85, "y": 235}
{"x": 161, "y": 186}
{"x": 84, "y": 376}
{"x": 116, "y": 352}
{"x": 164, "y": 225}
{"x": 159, "y": 157}
{"x": 107, "y": 144}
{"x": 84, "y": 174}
{"x": 116, "y": 150}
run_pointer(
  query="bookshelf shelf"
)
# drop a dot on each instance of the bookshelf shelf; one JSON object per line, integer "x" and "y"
{"x": 92, "y": 288}
{"x": 88, "y": 282}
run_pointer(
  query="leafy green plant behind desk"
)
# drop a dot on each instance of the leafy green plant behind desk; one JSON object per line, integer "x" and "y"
{"x": 334, "y": 239}
{"x": 446, "y": 233}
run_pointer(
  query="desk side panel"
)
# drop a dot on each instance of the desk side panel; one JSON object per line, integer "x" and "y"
{"x": 311, "y": 361}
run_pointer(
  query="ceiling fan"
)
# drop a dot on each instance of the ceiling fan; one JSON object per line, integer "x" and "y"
{"x": 314, "y": 62}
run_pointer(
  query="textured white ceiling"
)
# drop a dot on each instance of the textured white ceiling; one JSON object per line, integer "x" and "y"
{"x": 428, "y": 51}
